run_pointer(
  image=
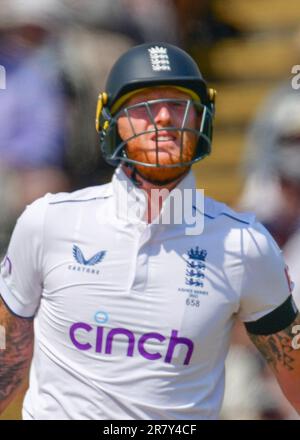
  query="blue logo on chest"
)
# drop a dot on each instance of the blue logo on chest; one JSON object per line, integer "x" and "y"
{"x": 79, "y": 257}
{"x": 195, "y": 266}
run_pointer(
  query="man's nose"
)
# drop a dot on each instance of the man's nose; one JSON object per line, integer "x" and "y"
{"x": 162, "y": 113}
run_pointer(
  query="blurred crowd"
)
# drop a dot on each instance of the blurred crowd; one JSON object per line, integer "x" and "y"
{"x": 272, "y": 190}
{"x": 272, "y": 169}
{"x": 56, "y": 55}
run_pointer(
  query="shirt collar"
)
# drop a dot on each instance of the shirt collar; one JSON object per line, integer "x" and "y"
{"x": 131, "y": 201}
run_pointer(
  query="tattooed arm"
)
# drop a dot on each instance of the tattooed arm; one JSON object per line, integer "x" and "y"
{"x": 282, "y": 352}
{"x": 16, "y": 357}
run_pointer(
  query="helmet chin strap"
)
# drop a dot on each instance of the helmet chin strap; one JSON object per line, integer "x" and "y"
{"x": 135, "y": 173}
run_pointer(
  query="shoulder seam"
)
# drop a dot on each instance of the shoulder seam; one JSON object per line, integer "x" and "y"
{"x": 78, "y": 201}
{"x": 235, "y": 218}
{"x": 222, "y": 213}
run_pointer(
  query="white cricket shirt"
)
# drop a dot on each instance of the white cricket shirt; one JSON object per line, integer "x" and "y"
{"x": 133, "y": 320}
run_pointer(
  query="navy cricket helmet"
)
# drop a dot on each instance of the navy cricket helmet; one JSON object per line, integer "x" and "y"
{"x": 153, "y": 65}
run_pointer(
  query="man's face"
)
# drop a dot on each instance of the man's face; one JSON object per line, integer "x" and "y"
{"x": 162, "y": 146}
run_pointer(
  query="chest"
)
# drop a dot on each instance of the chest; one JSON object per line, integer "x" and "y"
{"x": 141, "y": 279}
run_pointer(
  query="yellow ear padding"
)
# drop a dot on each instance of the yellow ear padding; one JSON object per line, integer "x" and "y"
{"x": 102, "y": 100}
{"x": 212, "y": 93}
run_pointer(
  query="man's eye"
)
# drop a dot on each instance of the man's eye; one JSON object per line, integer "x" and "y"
{"x": 138, "y": 112}
{"x": 179, "y": 104}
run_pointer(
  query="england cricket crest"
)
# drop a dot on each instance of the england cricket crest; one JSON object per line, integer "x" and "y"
{"x": 194, "y": 276}
{"x": 159, "y": 58}
{"x": 195, "y": 265}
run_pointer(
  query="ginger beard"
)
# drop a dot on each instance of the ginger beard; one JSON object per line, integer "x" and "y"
{"x": 164, "y": 145}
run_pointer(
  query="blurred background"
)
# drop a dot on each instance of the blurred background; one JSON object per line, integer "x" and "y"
{"x": 57, "y": 54}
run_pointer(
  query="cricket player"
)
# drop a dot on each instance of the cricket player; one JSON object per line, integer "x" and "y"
{"x": 126, "y": 307}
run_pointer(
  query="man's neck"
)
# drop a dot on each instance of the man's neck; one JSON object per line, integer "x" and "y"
{"x": 154, "y": 203}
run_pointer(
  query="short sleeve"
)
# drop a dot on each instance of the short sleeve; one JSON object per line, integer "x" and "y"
{"x": 21, "y": 280}
{"x": 265, "y": 285}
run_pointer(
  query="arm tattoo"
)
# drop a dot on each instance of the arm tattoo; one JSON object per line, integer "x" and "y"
{"x": 277, "y": 348}
{"x": 15, "y": 359}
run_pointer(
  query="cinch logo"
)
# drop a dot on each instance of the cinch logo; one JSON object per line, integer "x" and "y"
{"x": 104, "y": 344}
